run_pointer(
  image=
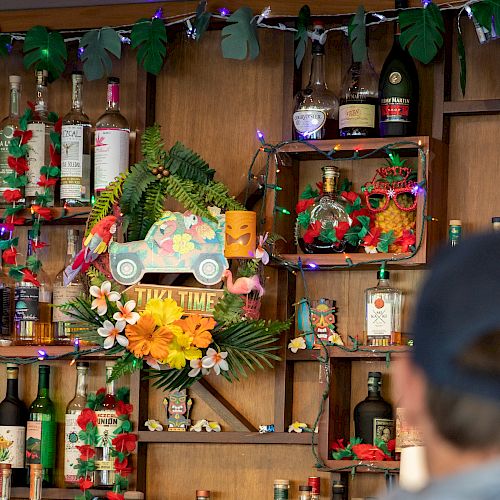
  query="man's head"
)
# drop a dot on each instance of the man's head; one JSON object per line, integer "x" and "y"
{"x": 451, "y": 382}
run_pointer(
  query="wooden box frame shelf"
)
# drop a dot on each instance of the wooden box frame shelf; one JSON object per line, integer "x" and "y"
{"x": 60, "y": 216}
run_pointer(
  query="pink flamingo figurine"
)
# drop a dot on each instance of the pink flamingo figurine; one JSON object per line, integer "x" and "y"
{"x": 242, "y": 286}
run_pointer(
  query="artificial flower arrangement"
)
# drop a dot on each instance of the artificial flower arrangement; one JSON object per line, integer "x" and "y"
{"x": 357, "y": 450}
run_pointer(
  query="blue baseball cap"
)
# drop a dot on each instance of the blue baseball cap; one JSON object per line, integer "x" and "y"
{"x": 458, "y": 304}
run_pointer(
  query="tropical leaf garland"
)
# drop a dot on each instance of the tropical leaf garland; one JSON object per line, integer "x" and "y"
{"x": 463, "y": 62}
{"x": 301, "y": 37}
{"x": 202, "y": 19}
{"x": 357, "y": 35}
{"x": 188, "y": 165}
{"x": 149, "y": 36}
{"x": 239, "y": 37}
{"x": 138, "y": 180}
{"x": 487, "y": 12}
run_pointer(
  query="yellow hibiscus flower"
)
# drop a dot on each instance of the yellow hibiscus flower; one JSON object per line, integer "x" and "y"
{"x": 181, "y": 243}
{"x": 180, "y": 350}
{"x": 164, "y": 312}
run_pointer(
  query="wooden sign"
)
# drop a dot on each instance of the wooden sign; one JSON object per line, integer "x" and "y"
{"x": 193, "y": 300}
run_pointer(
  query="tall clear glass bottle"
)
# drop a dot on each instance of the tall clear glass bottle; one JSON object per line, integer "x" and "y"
{"x": 330, "y": 211}
{"x": 316, "y": 108}
{"x": 383, "y": 312}
{"x": 71, "y": 429}
{"x": 112, "y": 136}
{"x": 7, "y": 128}
{"x": 107, "y": 422}
{"x": 75, "y": 150}
{"x": 39, "y": 145}
{"x": 42, "y": 429}
{"x": 66, "y": 327}
{"x": 6, "y": 304}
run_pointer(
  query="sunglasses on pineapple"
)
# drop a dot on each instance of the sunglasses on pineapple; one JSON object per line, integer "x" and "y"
{"x": 377, "y": 199}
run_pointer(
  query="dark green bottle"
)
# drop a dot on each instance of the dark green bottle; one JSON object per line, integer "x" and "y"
{"x": 399, "y": 94}
{"x": 41, "y": 429}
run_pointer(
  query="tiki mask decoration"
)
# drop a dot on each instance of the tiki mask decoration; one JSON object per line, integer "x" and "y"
{"x": 318, "y": 322}
{"x": 240, "y": 234}
{"x": 178, "y": 405}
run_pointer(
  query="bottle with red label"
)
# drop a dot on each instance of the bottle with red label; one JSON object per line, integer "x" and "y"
{"x": 398, "y": 109}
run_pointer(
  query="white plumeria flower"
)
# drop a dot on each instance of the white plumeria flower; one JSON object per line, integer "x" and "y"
{"x": 296, "y": 344}
{"x": 197, "y": 366}
{"x": 213, "y": 427}
{"x": 371, "y": 249}
{"x": 260, "y": 252}
{"x": 335, "y": 338}
{"x": 125, "y": 312}
{"x": 215, "y": 360}
{"x": 152, "y": 362}
{"x": 198, "y": 426}
{"x": 101, "y": 294}
{"x": 297, "y": 427}
{"x": 113, "y": 332}
{"x": 153, "y": 425}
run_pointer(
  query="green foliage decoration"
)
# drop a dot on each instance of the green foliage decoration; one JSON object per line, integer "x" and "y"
{"x": 187, "y": 164}
{"x": 227, "y": 311}
{"x": 357, "y": 35}
{"x": 149, "y": 36}
{"x": 239, "y": 37}
{"x": 136, "y": 182}
{"x": 303, "y": 21}
{"x": 202, "y": 20}
{"x": 486, "y": 12}
{"x": 462, "y": 61}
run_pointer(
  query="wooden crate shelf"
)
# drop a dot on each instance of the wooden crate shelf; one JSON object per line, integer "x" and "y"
{"x": 29, "y": 351}
{"x": 61, "y": 493}
{"x": 337, "y": 352}
{"x": 374, "y": 467}
{"x": 61, "y": 215}
{"x": 310, "y": 261}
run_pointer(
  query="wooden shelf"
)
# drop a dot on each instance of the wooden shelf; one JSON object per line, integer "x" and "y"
{"x": 303, "y": 438}
{"x": 339, "y": 259}
{"x": 374, "y": 467}
{"x": 471, "y": 107}
{"x": 61, "y": 215}
{"x": 29, "y": 351}
{"x": 61, "y": 493}
{"x": 337, "y": 352}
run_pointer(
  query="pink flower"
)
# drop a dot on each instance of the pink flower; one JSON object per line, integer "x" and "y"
{"x": 215, "y": 360}
{"x": 101, "y": 294}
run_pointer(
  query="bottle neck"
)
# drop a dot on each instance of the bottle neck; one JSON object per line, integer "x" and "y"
{"x": 15, "y": 97}
{"x": 41, "y": 101}
{"x": 12, "y": 384}
{"x": 43, "y": 385}
{"x": 374, "y": 388}
{"x": 71, "y": 248}
{"x": 383, "y": 283}
{"x": 110, "y": 384}
{"x": 81, "y": 382}
{"x": 317, "y": 77}
{"x": 113, "y": 97}
{"x": 77, "y": 96}
{"x": 29, "y": 251}
{"x": 330, "y": 186}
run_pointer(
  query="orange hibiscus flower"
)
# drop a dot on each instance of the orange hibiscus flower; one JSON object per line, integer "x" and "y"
{"x": 145, "y": 338}
{"x": 197, "y": 327}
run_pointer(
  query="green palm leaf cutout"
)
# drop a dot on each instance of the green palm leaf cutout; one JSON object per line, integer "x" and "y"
{"x": 45, "y": 50}
{"x": 303, "y": 21}
{"x": 462, "y": 61}
{"x": 185, "y": 163}
{"x": 150, "y": 37}
{"x": 239, "y": 37}
{"x": 487, "y": 11}
{"x": 136, "y": 183}
{"x": 5, "y": 41}
{"x": 421, "y": 32}
{"x": 201, "y": 20}
{"x": 97, "y": 45}
{"x": 357, "y": 35}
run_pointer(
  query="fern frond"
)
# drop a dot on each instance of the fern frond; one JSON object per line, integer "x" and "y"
{"x": 152, "y": 144}
{"x": 95, "y": 276}
{"x": 216, "y": 193}
{"x": 154, "y": 198}
{"x": 137, "y": 181}
{"x": 128, "y": 363}
{"x": 187, "y": 193}
{"x": 187, "y": 164}
{"x": 229, "y": 309}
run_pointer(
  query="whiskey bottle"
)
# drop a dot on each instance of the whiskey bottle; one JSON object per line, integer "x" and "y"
{"x": 7, "y": 128}
{"x": 398, "y": 85}
{"x": 75, "y": 150}
{"x": 111, "y": 140}
{"x": 383, "y": 312}
{"x": 6, "y": 303}
{"x": 374, "y": 413}
{"x": 65, "y": 326}
{"x": 39, "y": 144}
{"x": 316, "y": 108}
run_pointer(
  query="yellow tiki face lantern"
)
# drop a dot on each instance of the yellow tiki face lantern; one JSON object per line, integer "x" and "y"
{"x": 240, "y": 234}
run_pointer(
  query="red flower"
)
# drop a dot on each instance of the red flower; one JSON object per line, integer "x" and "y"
{"x": 44, "y": 212}
{"x": 341, "y": 229}
{"x": 85, "y": 483}
{"x": 360, "y": 212}
{"x": 372, "y": 238}
{"x": 110, "y": 495}
{"x": 102, "y": 390}
{"x": 122, "y": 467}
{"x": 25, "y": 135}
{"x": 350, "y": 196}
{"x": 124, "y": 442}
{"x": 14, "y": 220}
{"x": 369, "y": 452}
{"x": 319, "y": 185}
{"x": 38, "y": 244}
{"x": 58, "y": 126}
{"x": 304, "y": 205}
{"x": 19, "y": 165}
{"x": 46, "y": 182}
{"x": 312, "y": 232}
{"x": 406, "y": 240}
{"x": 123, "y": 408}
{"x": 86, "y": 416}
{"x": 391, "y": 445}
{"x": 338, "y": 445}
{"x": 55, "y": 157}
{"x": 86, "y": 452}
{"x": 11, "y": 195}
{"x": 9, "y": 256}
{"x": 30, "y": 277}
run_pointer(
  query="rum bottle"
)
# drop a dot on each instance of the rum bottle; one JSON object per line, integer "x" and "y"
{"x": 75, "y": 150}
{"x": 316, "y": 108}
{"x": 7, "y": 128}
{"x": 111, "y": 140}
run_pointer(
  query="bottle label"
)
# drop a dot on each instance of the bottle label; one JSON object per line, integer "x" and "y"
{"x": 5, "y": 295}
{"x": 280, "y": 493}
{"x": 107, "y": 423}
{"x": 383, "y": 430}
{"x": 26, "y": 299}
{"x": 455, "y": 233}
{"x": 62, "y": 295}
{"x": 36, "y": 158}
{"x": 357, "y": 115}
{"x": 380, "y": 318}
{"x": 395, "y": 109}
{"x": 73, "y": 162}
{"x": 41, "y": 443}
{"x": 104, "y": 465}
{"x": 71, "y": 441}
{"x": 111, "y": 155}
{"x": 12, "y": 441}
{"x": 308, "y": 121}
{"x": 5, "y": 137}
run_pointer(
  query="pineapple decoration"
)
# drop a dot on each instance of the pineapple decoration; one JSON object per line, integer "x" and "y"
{"x": 392, "y": 196}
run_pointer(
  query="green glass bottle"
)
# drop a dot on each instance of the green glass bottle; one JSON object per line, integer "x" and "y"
{"x": 42, "y": 428}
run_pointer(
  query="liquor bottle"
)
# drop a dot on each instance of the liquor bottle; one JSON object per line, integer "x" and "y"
{"x": 13, "y": 418}
{"x": 41, "y": 429}
{"x": 202, "y": 495}
{"x": 111, "y": 140}
{"x": 75, "y": 150}
{"x": 316, "y": 108}
{"x": 36, "y": 481}
{"x": 5, "y": 481}
{"x": 495, "y": 222}
{"x": 359, "y": 101}
{"x": 281, "y": 489}
{"x": 338, "y": 491}
{"x": 454, "y": 232}
{"x": 383, "y": 312}
{"x": 305, "y": 492}
{"x": 66, "y": 327}
{"x": 107, "y": 422}
{"x": 372, "y": 412}
{"x": 71, "y": 429}
{"x": 6, "y": 303}
{"x": 39, "y": 144}
{"x": 315, "y": 483}
{"x": 330, "y": 211}
{"x": 398, "y": 85}
{"x": 26, "y": 305}
{"x": 7, "y": 128}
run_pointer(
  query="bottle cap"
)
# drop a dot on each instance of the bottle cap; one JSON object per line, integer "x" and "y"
{"x": 375, "y": 375}
{"x": 113, "y": 79}
{"x": 315, "y": 483}
{"x": 495, "y": 219}
{"x": 44, "y": 368}
{"x": 110, "y": 364}
{"x": 455, "y": 222}
{"x": 285, "y": 482}
{"x": 15, "y": 79}
{"x": 202, "y": 493}
{"x": 36, "y": 466}
{"x": 383, "y": 274}
{"x": 305, "y": 488}
{"x": 5, "y": 466}
{"x": 12, "y": 366}
{"x": 319, "y": 23}
{"x": 330, "y": 171}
